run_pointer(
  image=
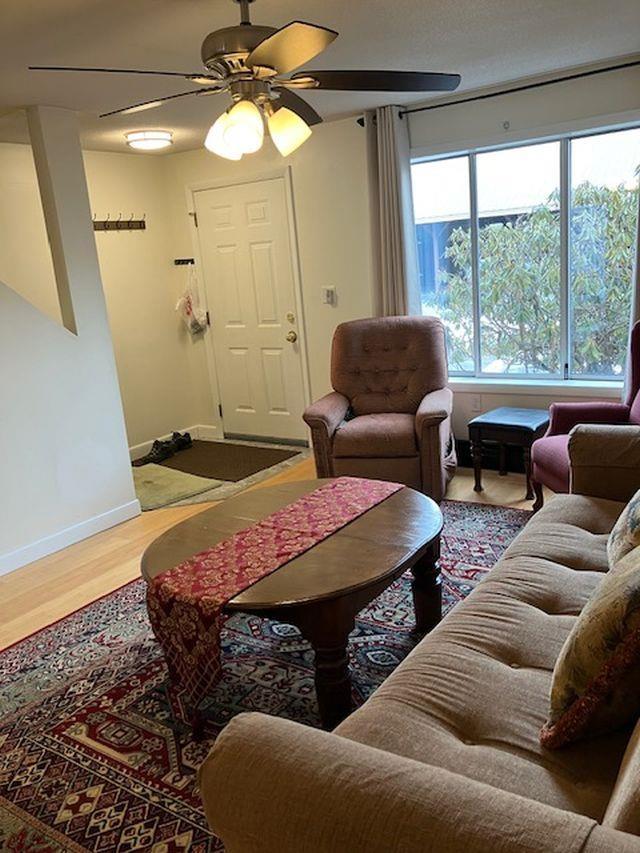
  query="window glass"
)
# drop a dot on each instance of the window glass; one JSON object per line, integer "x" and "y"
{"x": 604, "y": 208}
{"x": 519, "y": 259}
{"x": 442, "y": 211}
{"x": 526, "y": 272}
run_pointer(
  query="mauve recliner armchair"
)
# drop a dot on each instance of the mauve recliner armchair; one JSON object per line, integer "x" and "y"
{"x": 550, "y": 454}
{"x": 389, "y": 417}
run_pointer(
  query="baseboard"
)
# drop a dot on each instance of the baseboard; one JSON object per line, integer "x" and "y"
{"x": 207, "y": 432}
{"x": 69, "y": 536}
{"x": 203, "y": 432}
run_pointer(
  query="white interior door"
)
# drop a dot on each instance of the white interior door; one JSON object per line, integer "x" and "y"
{"x": 248, "y": 274}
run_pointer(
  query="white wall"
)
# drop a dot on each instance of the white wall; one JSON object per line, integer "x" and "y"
{"x": 25, "y": 259}
{"x": 154, "y": 353}
{"x": 589, "y": 102}
{"x": 65, "y": 466}
{"x": 329, "y": 176}
{"x": 157, "y": 359}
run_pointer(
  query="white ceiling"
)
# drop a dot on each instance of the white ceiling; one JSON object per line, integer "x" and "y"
{"x": 487, "y": 41}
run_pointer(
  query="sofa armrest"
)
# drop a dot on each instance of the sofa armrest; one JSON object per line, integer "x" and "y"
{"x": 605, "y": 461}
{"x": 436, "y": 406}
{"x": 274, "y": 786}
{"x": 564, "y": 416}
{"x": 327, "y": 413}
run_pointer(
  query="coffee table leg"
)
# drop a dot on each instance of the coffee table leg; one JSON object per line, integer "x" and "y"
{"x": 328, "y": 632}
{"x": 427, "y": 589}
{"x": 333, "y": 684}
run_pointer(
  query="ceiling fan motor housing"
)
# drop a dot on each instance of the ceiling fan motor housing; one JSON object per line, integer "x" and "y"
{"x": 224, "y": 51}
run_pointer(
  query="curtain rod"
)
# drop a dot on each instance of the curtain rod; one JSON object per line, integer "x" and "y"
{"x": 524, "y": 87}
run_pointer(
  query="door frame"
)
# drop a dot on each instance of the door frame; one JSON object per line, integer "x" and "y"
{"x": 221, "y": 183}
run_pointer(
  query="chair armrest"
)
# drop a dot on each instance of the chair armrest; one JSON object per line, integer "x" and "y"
{"x": 273, "y": 786}
{"x": 436, "y": 406}
{"x": 605, "y": 461}
{"x": 327, "y": 413}
{"x": 564, "y": 416}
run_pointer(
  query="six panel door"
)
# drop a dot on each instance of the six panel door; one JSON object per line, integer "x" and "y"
{"x": 247, "y": 262}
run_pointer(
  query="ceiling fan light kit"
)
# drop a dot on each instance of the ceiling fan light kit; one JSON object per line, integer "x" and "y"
{"x": 215, "y": 140}
{"x": 149, "y": 140}
{"x": 287, "y": 130}
{"x": 240, "y": 130}
{"x": 248, "y": 62}
{"x": 244, "y": 128}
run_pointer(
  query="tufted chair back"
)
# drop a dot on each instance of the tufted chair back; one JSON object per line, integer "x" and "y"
{"x": 388, "y": 364}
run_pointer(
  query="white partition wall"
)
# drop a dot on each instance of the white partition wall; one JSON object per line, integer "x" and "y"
{"x": 64, "y": 464}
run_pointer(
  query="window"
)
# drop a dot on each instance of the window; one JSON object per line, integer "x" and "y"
{"x": 526, "y": 253}
{"x": 444, "y": 252}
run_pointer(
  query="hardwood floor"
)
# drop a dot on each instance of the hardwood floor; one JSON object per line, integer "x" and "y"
{"x": 48, "y": 589}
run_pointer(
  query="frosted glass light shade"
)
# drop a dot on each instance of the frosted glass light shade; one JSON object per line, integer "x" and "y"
{"x": 244, "y": 131}
{"x": 215, "y": 141}
{"x": 149, "y": 140}
{"x": 288, "y": 130}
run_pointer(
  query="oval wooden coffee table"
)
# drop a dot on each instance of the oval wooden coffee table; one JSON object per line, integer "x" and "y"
{"x": 322, "y": 591}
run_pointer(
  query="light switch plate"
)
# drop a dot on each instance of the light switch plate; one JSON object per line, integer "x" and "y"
{"x": 329, "y": 296}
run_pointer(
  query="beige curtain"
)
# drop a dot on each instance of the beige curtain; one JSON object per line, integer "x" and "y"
{"x": 635, "y": 302}
{"x": 397, "y": 282}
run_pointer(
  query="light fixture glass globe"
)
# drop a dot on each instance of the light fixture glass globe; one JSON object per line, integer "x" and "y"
{"x": 215, "y": 140}
{"x": 149, "y": 140}
{"x": 287, "y": 130}
{"x": 245, "y": 128}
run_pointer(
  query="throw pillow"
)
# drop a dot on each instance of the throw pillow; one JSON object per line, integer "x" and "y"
{"x": 595, "y": 679}
{"x": 625, "y": 535}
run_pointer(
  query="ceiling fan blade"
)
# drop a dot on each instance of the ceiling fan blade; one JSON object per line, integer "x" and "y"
{"x": 299, "y": 106}
{"x": 376, "y": 81}
{"x": 291, "y": 46}
{"x": 115, "y": 71}
{"x": 157, "y": 102}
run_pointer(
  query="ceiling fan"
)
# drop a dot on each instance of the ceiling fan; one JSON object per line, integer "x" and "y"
{"x": 248, "y": 61}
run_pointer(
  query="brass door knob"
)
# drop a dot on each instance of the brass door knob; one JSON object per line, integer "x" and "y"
{"x": 292, "y": 337}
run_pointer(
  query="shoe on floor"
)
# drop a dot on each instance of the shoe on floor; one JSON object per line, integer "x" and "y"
{"x": 180, "y": 441}
{"x": 160, "y": 450}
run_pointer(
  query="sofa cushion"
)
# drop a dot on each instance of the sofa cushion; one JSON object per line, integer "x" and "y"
{"x": 596, "y": 676}
{"x": 623, "y": 811}
{"x": 625, "y": 535}
{"x": 472, "y": 696}
{"x": 371, "y": 436}
{"x": 550, "y": 460}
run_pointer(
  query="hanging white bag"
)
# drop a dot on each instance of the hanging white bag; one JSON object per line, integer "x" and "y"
{"x": 193, "y": 315}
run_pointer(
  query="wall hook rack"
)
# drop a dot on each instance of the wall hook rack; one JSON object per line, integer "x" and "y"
{"x": 120, "y": 224}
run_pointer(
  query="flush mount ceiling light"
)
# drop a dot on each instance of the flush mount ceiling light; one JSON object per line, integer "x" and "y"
{"x": 149, "y": 140}
{"x": 250, "y": 62}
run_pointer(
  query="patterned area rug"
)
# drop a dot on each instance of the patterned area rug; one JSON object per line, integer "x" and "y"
{"x": 88, "y": 757}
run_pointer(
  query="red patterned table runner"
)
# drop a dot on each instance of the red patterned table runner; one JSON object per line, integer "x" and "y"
{"x": 185, "y": 603}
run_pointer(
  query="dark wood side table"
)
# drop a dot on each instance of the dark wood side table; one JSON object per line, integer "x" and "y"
{"x": 323, "y": 590}
{"x": 520, "y": 427}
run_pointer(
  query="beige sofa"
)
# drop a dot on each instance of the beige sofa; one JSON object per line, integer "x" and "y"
{"x": 445, "y": 755}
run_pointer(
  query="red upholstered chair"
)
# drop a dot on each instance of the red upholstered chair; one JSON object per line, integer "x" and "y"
{"x": 550, "y": 454}
{"x": 389, "y": 417}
